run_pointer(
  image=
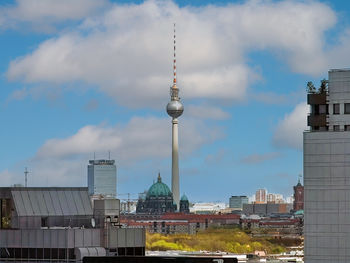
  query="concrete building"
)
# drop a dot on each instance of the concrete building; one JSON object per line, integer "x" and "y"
{"x": 60, "y": 224}
{"x": 102, "y": 178}
{"x": 236, "y": 201}
{"x": 261, "y": 196}
{"x": 327, "y": 172}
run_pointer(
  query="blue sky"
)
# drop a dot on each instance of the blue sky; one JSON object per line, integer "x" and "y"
{"x": 87, "y": 76}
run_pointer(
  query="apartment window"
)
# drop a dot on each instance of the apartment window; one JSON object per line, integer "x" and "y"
{"x": 347, "y": 108}
{"x": 336, "y": 108}
{"x": 336, "y": 128}
{"x": 323, "y": 109}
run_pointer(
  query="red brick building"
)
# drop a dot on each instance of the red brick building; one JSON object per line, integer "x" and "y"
{"x": 298, "y": 197}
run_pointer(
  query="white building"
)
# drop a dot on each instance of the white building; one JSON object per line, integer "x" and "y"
{"x": 102, "y": 178}
{"x": 207, "y": 208}
{"x": 327, "y": 173}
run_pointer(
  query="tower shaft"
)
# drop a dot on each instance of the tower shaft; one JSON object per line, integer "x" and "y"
{"x": 175, "y": 110}
{"x": 175, "y": 164}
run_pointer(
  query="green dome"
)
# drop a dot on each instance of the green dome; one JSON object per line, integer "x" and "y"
{"x": 159, "y": 189}
{"x": 184, "y": 198}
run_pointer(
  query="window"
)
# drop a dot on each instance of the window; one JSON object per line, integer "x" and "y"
{"x": 347, "y": 108}
{"x": 336, "y": 128}
{"x": 44, "y": 222}
{"x": 336, "y": 108}
{"x": 347, "y": 127}
{"x": 323, "y": 109}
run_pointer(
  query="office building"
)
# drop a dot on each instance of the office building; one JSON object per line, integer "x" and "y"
{"x": 102, "y": 178}
{"x": 327, "y": 171}
{"x": 236, "y": 201}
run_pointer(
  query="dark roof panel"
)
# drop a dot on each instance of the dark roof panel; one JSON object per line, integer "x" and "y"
{"x": 52, "y": 202}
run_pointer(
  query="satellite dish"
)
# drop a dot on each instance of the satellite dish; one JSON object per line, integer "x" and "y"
{"x": 93, "y": 223}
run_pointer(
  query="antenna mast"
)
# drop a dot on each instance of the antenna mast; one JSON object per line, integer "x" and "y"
{"x": 174, "y": 91}
{"x": 25, "y": 176}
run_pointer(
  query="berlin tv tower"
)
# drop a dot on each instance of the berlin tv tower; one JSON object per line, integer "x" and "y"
{"x": 175, "y": 109}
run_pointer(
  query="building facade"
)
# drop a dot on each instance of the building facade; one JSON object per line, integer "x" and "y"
{"x": 102, "y": 178}
{"x": 327, "y": 172}
{"x": 236, "y": 201}
{"x": 266, "y": 209}
{"x": 261, "y": 196}
{"x": 298, "y": 203}
{"x": 158, "y": 200}
{"x": 184, "y": 205}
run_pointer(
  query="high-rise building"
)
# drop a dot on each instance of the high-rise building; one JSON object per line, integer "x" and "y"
{"x": 298, "y": 203}
{"x": 175, "y": 110}
{"x": 327, "y": 171}
{"x": 260, "y": 196}
{"x": 102, "y": 178}
{"x": 237, "y": 201}
{"x": 274, "y": 198}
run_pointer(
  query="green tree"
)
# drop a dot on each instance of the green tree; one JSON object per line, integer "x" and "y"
{"x": 310, "y": 87}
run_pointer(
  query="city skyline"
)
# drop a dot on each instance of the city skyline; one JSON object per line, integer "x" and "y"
{"x": 96, "y": 78}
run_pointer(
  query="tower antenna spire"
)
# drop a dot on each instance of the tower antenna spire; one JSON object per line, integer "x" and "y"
{"x": 174, "y": 62}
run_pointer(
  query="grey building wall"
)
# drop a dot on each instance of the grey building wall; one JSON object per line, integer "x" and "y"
{"x": 327, "y": 196}
{"x": 50, "y": 238}
{"x": 327, "y": 181}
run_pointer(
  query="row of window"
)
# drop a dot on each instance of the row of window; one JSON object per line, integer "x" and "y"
{"x": 323, "y": 109}
{"x": 336, "y": 108}
{"x": 326, "y": 128}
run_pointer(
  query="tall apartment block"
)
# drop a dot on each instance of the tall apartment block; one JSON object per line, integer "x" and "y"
{"x": 237, "y": 201}
{"x": 327, "y": 172}
{"x": 261, "y": 196}
{"x": 102, "y": 178}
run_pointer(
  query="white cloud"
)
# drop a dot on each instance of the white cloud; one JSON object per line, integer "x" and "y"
{"x": 43, "y": 14}
{"x": 139, "y": 139}
{"x": 142, "y": 140}
{"x": 259, "y": 158}
{"x": 126, "y": 52}
{"x": 289, "y": 131}
{"x": 204, "y": 111}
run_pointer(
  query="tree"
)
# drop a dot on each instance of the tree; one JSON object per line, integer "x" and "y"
{"x": 324, "y": 86}
{"x": 310, "y": 87}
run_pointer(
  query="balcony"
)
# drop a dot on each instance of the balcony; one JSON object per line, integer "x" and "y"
{"x": 317, "y": 120}
{"x": 316, "y": 98}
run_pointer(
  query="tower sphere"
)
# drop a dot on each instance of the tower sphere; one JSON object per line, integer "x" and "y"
{"x": 175, "y": 108}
